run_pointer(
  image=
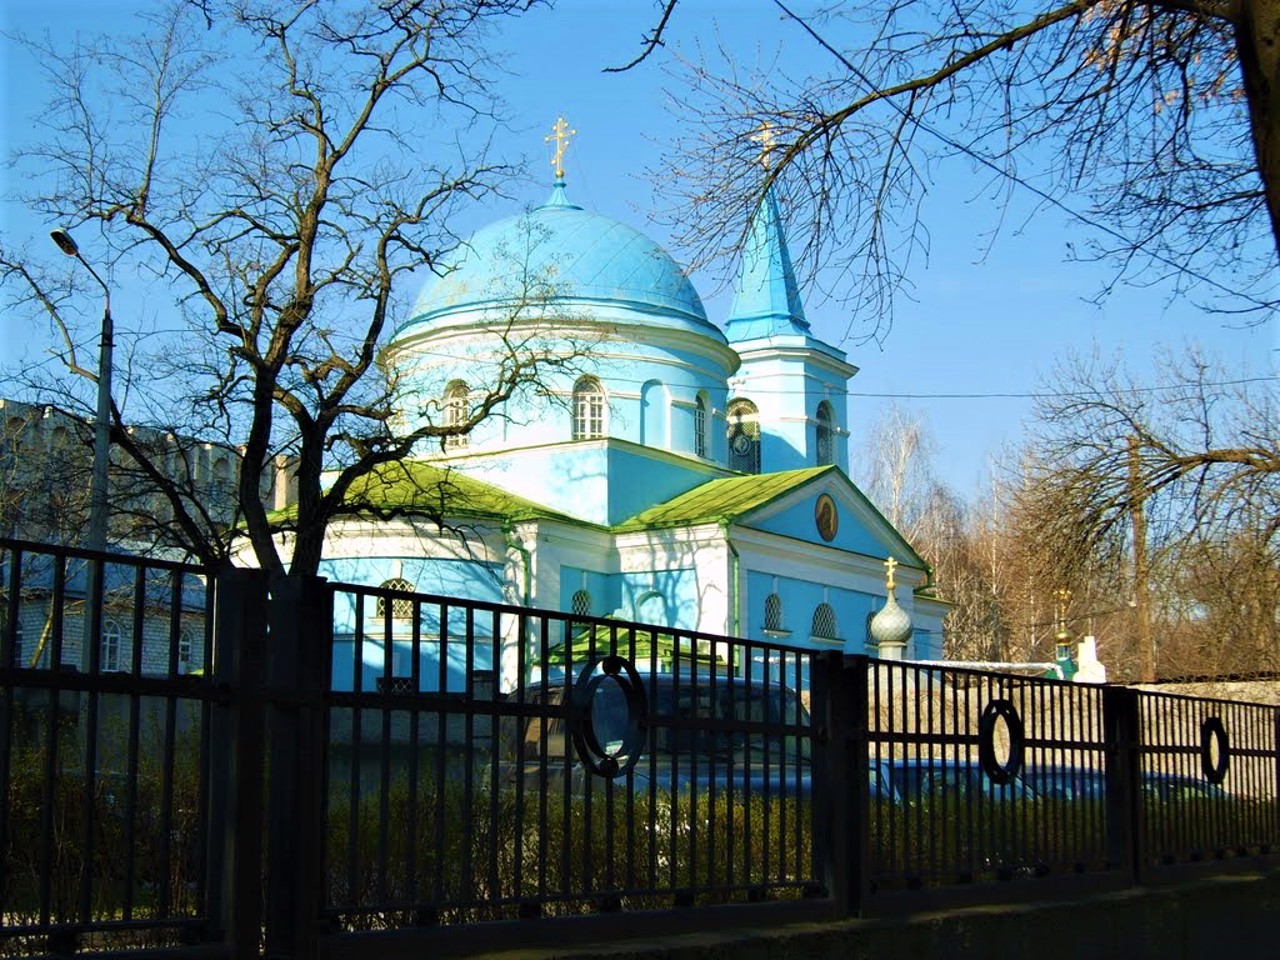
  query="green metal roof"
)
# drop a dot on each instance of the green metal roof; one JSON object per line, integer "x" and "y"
{"x": 410, "y": 487}
{"x": 725, "y": 499}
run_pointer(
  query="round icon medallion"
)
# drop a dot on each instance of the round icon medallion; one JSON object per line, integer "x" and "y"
{"x": 826, "y": 517}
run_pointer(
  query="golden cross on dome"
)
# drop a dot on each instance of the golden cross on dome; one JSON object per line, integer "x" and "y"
{"x": 890, "y": 565}
{"x": 1063, "y": 597}
{"x": 765, "y": 137}
{"x": 560, "y": 133}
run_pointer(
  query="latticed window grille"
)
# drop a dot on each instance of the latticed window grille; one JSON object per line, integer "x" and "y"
{"x": 457, "y": 408}
{"x": 581, "y": 604}
{"x": 588, "y": 409}
{"x": 186, "y": 648}
{"x": 401, "y": 607}
{"x": 773, "y": 612}
{"x": 826, "y": 435}
{"x": 744, "y": 436}
{"x": 824, "y": 622}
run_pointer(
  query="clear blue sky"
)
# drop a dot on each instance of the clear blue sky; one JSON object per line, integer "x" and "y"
{"x": 981, "y": 320}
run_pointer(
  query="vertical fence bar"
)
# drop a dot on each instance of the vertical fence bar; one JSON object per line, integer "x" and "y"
{"x": 1122, "y": 734}
{"x": 10, "y": 656}
{"x": 235, "y": 782}
{"x": 300, "y": 617}
{"x": 839, "y": 688}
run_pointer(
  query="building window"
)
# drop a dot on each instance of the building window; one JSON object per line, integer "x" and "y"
{"x": 826, "y": 435}
{"x": 457, "y": 409}
{"x": 580, "y": 605}
{"x": 220, "y": 484}
{"x": 700, "y": 427}
{"x": 588, "y": 409}
{"x": 744, "y": 436}
{"x": 824, "y": 622}
{"x": 186, "y": 649}
{"x": 773, "y": 613}
{"x": 401, "y": 607}
{"x": 109, "y": 652}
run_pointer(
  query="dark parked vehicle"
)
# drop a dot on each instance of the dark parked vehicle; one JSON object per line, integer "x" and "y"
{"x": 703, "y": 733}
{"x": 932, "y": 778}
{"x": 1067, "y": 783}
{"x": 1090, "y": 783}
{"x": 1173, "y": 788}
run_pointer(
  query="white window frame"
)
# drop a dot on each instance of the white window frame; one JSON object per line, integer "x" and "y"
{"x": 588, "y": 409}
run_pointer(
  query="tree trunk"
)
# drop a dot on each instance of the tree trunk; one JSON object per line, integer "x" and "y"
{"x": 1258, "y": 47}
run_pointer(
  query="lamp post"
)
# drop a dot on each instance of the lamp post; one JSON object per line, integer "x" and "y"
{"x": 97, "y": 538}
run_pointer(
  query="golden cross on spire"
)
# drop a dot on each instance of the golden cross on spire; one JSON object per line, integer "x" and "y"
{"x": 560, "y": 133}
{"x": 765, "y": 137}
{"x": 890, "y": 565}
{"x": 1063, "y": 597}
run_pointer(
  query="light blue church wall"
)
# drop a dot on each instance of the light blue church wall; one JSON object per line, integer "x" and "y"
{"x": 928, "y": 645}
{"x": 649, "y": 390}
{"x": 800, "y": 599}
{"x": 798, "y": 522}
{"x": 655, "y": 415}
{"x": 603, "y": 590}
{"x": 467, "y": 579}
{"x": 638, "y": 480}
{"x": 664, "y": 597}
{"x": 597, "y": 484}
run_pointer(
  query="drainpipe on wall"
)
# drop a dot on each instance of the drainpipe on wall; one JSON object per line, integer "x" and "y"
{"x": 735, "y": 590}
{"x": 515, "y": 543}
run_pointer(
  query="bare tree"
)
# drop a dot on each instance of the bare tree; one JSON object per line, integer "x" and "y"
{"x": 333, "y": 141}
{"x": 1157, "y": 114}
{"x": 1169, "y": 486}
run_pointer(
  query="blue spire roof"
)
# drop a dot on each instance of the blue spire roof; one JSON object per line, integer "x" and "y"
{"x": 767, "y": 300}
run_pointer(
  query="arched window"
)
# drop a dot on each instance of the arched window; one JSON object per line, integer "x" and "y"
{"x": 457, "y": 408}
{"x": 401, "y": 607}
{"x": 700, "y": 426}
{"x": 773, "y": 612}
{"x": 580, "y": 605}
{"x": 220, "y": 488}
{"x": 826, "y": 435}
{"x": 186, "y": 650}
{"x": 588, "y": 409}
{"x": 744, "y": 436}
{"x": 109, "y": 652}
{"x": 824, "y": 622}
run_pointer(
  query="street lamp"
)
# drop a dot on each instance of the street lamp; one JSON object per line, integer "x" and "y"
{"x": 97, "y": 539}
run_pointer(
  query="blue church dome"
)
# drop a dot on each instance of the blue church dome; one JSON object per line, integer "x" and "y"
{"x": 561, "y": 254}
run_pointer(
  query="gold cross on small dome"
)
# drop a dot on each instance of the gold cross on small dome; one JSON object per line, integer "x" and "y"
{"x": 890, "y": 565}
{"x": 561, "y": 134}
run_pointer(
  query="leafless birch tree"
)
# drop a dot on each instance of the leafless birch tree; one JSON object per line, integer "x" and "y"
{"x": 280, "y": 169}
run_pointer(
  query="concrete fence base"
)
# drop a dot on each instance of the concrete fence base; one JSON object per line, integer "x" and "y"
{"x": 1236, "y": 917}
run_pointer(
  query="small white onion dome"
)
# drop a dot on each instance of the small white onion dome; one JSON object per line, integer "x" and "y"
{"x": 891, "y": 627}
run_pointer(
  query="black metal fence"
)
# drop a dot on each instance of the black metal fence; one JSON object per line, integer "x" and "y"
{"x": 296, "y": 767}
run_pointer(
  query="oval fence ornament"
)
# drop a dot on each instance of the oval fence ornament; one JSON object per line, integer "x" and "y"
{"x": 996, "y": 710}
{"x": 612, "y": 757}
{"x": 1214, "y": 734}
